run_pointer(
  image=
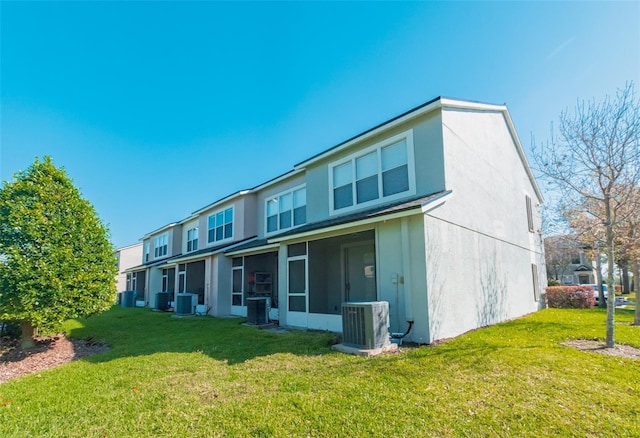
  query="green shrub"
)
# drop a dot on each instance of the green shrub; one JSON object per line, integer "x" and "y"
{"x": 570, "y": 297}
{"x": 552, "y": 282}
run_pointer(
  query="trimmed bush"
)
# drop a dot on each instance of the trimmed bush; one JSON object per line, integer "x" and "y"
{"x": 553, "y": 282}
{"x": 570, "y": 297}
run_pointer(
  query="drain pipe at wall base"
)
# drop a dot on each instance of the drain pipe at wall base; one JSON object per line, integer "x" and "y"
{"x": 397, "y": 338}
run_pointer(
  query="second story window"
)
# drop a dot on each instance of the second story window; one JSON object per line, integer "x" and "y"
{"x": 286, "y": 210}
{"x": 220, "y": 225}
{"x": 192, "y": 239}
{"x": 378, "y": 172}
{"x": 160, "y": 246}
{"x": 146, "y": 251}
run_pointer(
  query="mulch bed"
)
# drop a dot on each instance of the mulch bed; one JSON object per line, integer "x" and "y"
{"x": 47, "y": 353}
{"x": 620, "y": 350}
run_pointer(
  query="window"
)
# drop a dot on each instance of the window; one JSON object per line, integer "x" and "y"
{"x": 192, "y": 239}
{"x": 169, "y": 281}
{"x": 220, "y": 225}
{"x": 536, "y": 290}
{"x": 297, "y": 277}
{"x": 182, "y": 278}
{"x": 146, "y": 251}
{"x": 160, "y": 245}
{"x": 237, "y": 274}
{"x": 287, "y": 210}
{"x": 529, "y": 213}
{"x": 379, "y": 172}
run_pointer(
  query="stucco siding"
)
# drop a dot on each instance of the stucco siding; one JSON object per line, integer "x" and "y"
{"x": 478, "y": 247}
{"x": 426, "y": 132}
{"x": 486, "y": 175}
{"x": 473, "y": 280}
{"x": 128, "y": 257}
{"x": 401, "y": 275}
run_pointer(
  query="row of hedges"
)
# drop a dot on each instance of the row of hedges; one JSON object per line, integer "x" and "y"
{"x": 570, "y": 297}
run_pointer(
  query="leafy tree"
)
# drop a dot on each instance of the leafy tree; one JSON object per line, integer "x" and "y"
{"x": 56, "y": 260}
{"x": 594, "y": 163}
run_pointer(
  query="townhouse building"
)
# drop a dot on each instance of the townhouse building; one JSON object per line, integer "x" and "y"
{"x": 435, "y": 211}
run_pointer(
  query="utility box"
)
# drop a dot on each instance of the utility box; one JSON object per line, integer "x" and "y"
{"x": 365, "y": 324}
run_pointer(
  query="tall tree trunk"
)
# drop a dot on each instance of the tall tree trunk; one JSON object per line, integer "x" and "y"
{"x": 601, "y": 301}
{"x": 611, "y": 300}
{"x": 625, "y": 279}
{"x": 26, "y": 336}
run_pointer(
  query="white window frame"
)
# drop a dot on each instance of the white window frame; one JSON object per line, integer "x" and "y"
{"x": 147, "y": 248}
{"x": 224, "y": 239}
{"x": 192, "y": 241}
{"x": 241, "y": 292}
{"x": 278, "y": 196}
{"x": 161, "y": 245}
{"x": 305, "y": 258}
{"x": 408, "y": 137}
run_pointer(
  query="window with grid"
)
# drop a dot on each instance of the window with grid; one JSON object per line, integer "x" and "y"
{"x": 374, "y": 174}
{"x": 286, "y": 210}
{"x": 220, "y": 225}
{"x": 192, "y": 239}
{"x": 160, "y": 245}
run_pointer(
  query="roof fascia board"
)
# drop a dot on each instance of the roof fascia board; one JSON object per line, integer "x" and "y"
{"x": 461, "y": 104}
{"x": 166, "y": 227}
{"x": 428, "y": 107}
{"x": 187, "y": 257}
{"x": 278, "y": 179}
{"x": 221, "y": 201}
{"x": 436, "y": 202}
{"x": 256, "y": 250}
{"x": 129, "y": 246}
{"x": 522, "y": 155}
{"x": 412, "y": 114}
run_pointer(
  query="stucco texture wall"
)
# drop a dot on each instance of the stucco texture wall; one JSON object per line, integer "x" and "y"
{"x": 479, "y": 250}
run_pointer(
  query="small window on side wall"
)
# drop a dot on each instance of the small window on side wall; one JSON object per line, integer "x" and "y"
{"x": 529, "y": 213}
{"x": 536, "y": 285}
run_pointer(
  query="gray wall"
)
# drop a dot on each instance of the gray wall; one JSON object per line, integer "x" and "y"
{"x": 428, "y": 158}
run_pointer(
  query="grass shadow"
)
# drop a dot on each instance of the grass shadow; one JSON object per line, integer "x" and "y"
{"x": 140, "y": 332}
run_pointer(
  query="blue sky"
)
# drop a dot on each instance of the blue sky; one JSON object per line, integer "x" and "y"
{"x": 156, "y": 109}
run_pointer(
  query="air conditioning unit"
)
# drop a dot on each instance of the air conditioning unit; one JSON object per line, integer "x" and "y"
{"x": 162, "y": 301}
{"x": 365, "y": 324}
{"x": 257, "y": 310}
{"x": 186, "y": 304}
{"x": 128, "y": 298}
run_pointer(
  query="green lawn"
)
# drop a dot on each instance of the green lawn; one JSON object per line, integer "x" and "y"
{"x": 210, "y": 377}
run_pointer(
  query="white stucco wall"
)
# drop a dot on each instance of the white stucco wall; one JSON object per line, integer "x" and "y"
{"x": 478, "y": 248}
{"x": 128, "y": 257}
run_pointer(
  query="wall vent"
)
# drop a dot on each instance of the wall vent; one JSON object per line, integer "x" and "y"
{"x": 365, "y": 324}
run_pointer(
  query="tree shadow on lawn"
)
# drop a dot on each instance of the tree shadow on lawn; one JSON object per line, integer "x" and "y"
{"x": 142, "y": 332}
{"x": 10, "y": 350}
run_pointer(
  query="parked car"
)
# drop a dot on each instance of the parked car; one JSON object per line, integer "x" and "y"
{"x": 596, "y": 290}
